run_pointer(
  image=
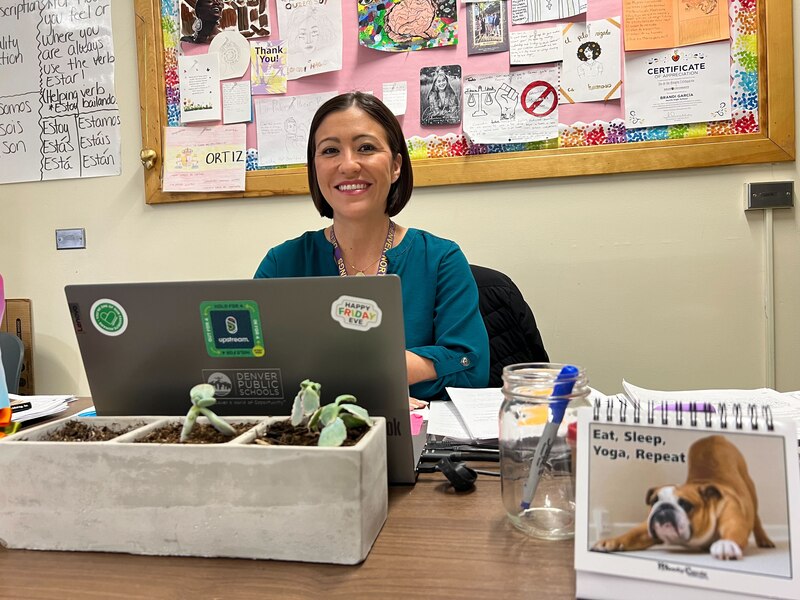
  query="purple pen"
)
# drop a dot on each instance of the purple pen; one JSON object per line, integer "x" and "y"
{"x": 686, "y": 406}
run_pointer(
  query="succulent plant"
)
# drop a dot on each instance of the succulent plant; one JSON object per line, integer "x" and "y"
{"x": 202, "y": 396}
{"x": 332, "y": 420}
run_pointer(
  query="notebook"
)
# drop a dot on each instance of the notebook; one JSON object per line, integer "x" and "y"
{"x": 144, "y": 345}
{"x": 669, "y": 472}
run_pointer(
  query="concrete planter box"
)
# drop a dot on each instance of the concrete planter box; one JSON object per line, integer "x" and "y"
{"x": 237, "y": 499}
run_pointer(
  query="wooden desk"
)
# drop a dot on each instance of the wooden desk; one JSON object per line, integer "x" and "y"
{"x": 435, "y": 544}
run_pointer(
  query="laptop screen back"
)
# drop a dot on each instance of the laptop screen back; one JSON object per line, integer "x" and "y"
{"x": 144, "y": 345}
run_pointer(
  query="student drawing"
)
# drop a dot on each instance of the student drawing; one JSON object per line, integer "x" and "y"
{"x": 407, "y": 25}
{"x": 506, "y": 97}
{"x": 440, "y": 95}
{"x": 590, "y": 71}
{"x": 411, "y": 18}
{"x": 313, "y": 40}
{"x": 705, "y": 7}
{"x": 568, "y": 8}
{"x": 590, "y": 67}
{"x": 477, "y": 98}
{"x": 294, "y": 139}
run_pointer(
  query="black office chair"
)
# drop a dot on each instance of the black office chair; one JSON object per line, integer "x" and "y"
{"x": 13, "y": 352}
{"x": 513, "y": 334}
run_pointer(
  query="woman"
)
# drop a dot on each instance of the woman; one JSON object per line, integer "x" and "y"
{"x": 359, "y": 174}
{"x": 589, "y": 67}
{"x": 206, "y": 22}
{"x": 443, "y": 107}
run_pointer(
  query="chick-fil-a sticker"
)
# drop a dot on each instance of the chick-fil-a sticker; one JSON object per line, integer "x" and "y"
{"x": 360, "y": 314}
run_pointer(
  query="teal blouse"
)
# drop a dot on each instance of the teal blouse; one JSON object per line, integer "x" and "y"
{"x": 440, "y": 301}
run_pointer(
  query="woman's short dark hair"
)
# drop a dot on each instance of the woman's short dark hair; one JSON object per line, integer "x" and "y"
{"x": 400, "y": 190}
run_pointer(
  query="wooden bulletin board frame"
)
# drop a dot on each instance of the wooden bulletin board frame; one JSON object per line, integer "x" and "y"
{"x": 773, "y": 143}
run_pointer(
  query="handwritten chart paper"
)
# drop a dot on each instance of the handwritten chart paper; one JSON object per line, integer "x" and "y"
{"x": 506, "y": 108}
{"x": 667, "y": 23}
{"x": 536, "y": 46}
{"x": 535, "y": 11}
{"x": 204, "y": 159}
{"x": 199, "y": 84}
{"x": 395, "y": 96}
{"x": 236, "y": 102}
{"x": 58, "y": 109}
{"x": 684, "y": 85}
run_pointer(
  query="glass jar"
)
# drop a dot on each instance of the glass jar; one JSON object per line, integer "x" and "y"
{"x": 538, "y": 483}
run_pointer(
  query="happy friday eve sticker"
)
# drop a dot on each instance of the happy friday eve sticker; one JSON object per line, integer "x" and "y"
{"x": 360, "y": 314}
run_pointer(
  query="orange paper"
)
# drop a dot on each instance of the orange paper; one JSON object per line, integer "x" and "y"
{"x": 656, "y": 24}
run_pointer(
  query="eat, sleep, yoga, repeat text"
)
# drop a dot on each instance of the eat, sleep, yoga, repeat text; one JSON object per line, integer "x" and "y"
{"x": 58, "y": 108}
{"x": 616, "y": 444}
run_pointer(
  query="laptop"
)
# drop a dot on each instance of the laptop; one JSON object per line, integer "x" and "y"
{"x": 144, "y": 345}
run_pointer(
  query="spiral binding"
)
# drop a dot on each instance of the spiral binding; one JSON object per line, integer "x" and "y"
{"x": 708, "y": 417}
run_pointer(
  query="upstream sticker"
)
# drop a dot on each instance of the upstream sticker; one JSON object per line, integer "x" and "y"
{"x": 360, "y": 314}
{"x": 232, "y": 328}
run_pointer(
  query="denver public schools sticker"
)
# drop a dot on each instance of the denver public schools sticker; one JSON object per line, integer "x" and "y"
{"x": 232, "y": 328}
{"x": 356, "y": 313}
{"x": 108, "y": 317}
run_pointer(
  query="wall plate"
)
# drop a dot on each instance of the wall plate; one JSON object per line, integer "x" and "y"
{"x": 772, "y": 194}
{"x": 70, "y": 239}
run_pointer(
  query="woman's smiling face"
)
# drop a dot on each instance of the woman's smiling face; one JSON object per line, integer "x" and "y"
{"x": 354, "y": 163}
{"x": 209, "y": 10}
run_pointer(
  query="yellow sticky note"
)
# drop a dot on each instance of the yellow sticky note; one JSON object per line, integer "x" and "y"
{"x": 534, "y": 415}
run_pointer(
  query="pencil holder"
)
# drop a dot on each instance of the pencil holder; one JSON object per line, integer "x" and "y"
{"x": 538, "y": 483}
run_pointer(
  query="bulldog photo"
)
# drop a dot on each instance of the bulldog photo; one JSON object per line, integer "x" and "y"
{"x": 715, "y": 510}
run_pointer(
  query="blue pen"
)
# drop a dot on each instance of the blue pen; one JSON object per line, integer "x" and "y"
{"x": 562, "y": 388}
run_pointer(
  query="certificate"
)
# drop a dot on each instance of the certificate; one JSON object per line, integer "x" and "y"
{"x": 672, "y": 87}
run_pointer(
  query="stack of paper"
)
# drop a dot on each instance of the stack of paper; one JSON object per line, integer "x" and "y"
{"x": 479, "y": 410}
{"x": 784, "y": 406}
{"x": 26, "y": 408}
{"x": 474, "y": 414}
{"x": 444, "y": 420}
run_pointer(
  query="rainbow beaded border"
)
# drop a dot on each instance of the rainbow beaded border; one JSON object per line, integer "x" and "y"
{"x": 744, "y": 74}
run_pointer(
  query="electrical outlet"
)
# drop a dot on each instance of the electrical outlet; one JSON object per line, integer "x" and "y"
{"x": 772, "y": 194}
{"x": 70, "y": 239}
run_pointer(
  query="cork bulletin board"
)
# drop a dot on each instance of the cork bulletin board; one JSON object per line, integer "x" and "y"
{"x": 592, "y": 136}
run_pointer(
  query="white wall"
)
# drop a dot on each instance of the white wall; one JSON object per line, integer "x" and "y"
{"x": 655, "y": 277}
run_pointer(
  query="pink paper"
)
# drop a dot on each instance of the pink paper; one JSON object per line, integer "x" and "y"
{"x": 416, "y": 423}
